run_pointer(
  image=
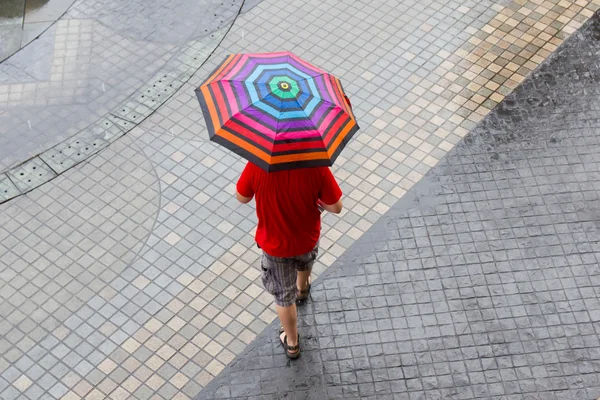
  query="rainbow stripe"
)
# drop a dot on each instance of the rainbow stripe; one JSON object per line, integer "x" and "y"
{"x": 277, "y": 111}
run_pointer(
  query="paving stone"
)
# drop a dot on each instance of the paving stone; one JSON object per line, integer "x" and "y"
{"x": 49, "y": 94}
{"x": 31, "y": 174}
{"x": 81, "y": 236}
{"x": 8, "y": 189}
{"x": 503, "y": 225}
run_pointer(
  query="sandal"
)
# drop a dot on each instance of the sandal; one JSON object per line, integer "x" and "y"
{"x": 292, "y": 352}
{"x": 303, "y": 295}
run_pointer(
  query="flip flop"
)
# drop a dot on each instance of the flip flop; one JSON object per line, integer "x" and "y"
{"x": 292, "y": 352}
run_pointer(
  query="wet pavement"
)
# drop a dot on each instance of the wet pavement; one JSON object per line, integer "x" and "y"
{"x": 127, "y": 268}
{"x": 482, "y": 282}
{"x": 22, "y": 21}
{"x": 92, "y": 63}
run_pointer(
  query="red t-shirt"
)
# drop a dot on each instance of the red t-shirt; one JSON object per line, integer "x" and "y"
{"x": 289, "y": 221}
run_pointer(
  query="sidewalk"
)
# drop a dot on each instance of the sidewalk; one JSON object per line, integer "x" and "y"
{"x": 481, "y": 283}
{"x": 134, "y": 274}
{"x": 93, "y": 62}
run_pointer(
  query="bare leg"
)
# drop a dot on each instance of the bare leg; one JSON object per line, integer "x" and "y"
{"x": 302, "y": 279}
{"x": 289, "y": 321}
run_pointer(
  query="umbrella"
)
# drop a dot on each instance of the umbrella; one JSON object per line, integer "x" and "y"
{"x": 277, "y": 111}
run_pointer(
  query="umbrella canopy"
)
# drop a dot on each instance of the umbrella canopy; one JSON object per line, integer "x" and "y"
{"x": 277, "y": 111}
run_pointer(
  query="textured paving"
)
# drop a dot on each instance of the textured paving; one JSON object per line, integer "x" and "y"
{"x": 134, "y": 274}
{"x": 482, "y": 282}
{"x": 93, "y": 61}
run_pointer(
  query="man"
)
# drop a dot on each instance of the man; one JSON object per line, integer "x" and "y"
{"x": 289, "y": 226}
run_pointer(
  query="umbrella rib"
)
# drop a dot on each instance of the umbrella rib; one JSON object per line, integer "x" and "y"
{"x": 259, "y": 121}
{"x": 333, "y": 107}
{"x": 278, "y": 118}
{"x": 324, "y": 100}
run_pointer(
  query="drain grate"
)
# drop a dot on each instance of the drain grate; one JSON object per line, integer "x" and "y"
{"x": 133, "y": 111}
{"x": 158, "y": 91}
{"x": 31, "y": 174}
{"x": 87, "y": 142}
{"x": 125, "y": 125}
{"x": 121, "y": 120}
{"x": 7, "y": 189}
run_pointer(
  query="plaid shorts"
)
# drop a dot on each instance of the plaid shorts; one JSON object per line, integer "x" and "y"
{"x": 279, "y": 275}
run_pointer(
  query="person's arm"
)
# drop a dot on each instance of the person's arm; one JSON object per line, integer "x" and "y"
{"x": 242, "y": 199}
{"x": 335, "y": 208}
{"x": 244, "y": 191}
{"x": 330, "y": 197}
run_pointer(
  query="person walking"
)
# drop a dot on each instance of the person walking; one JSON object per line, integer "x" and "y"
{"x": 290, "y": 120}
{"x": 289, "y": 227}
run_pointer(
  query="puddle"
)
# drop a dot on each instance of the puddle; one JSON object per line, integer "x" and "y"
{"x": 10, "y": 40}
{"x": 21, "y": 21}
{"x": 11, "y": 12}
{"x": 45, "y": 10}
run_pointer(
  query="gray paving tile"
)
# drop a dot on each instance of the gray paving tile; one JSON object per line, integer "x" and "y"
{"x": 60, "y": 95}
{"x": 111, "y": 201}
{"x": 468, "y": 286}
{"x": 31, "y": 174}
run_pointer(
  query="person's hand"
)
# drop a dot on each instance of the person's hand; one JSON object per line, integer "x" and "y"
{"x": 319, "y": 206}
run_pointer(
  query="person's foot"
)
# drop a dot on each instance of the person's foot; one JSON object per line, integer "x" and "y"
{"x": 292, "y": 347}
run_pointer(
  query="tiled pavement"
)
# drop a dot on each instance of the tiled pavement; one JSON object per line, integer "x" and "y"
{"x": 482, "y": 282}
{"x": 22, "y": 21}
{"x": 134, "y": 275}
{"x": 99, "y": 56}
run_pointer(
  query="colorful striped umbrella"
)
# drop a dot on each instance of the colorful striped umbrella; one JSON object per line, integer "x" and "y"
{"x": 277, "y": 111}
